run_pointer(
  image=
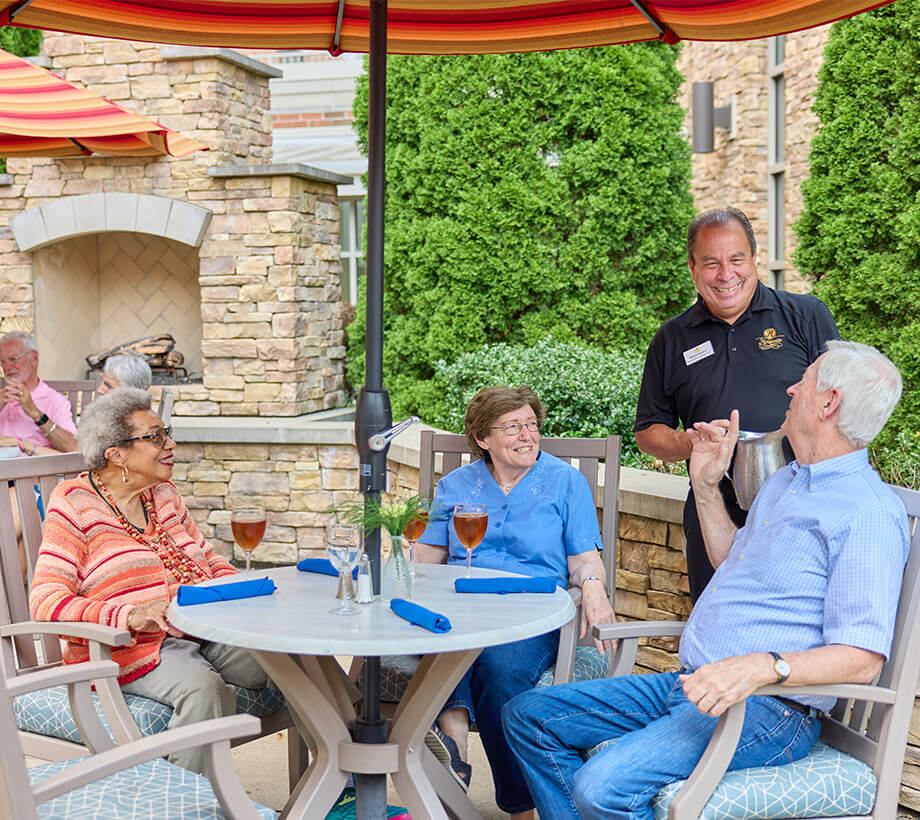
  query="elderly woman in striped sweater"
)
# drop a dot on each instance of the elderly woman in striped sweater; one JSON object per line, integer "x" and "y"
{"x": 117, "y": 543}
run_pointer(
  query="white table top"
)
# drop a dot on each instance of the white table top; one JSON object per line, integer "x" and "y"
{"x": 296, "y": 618}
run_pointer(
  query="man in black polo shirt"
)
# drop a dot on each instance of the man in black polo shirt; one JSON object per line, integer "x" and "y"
{"x": 739, "y": 346}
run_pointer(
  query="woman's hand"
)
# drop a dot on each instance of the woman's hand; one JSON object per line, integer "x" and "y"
{"x": 151, "y": 618}
{"x": 595, "y": 609}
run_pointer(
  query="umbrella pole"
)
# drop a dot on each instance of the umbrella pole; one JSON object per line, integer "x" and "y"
{"x": 372, "y": 414}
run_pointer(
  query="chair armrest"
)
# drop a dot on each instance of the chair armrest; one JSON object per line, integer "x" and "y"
{"x": 575, "y": 592}
{"x": 693, "y": 796}
{"x": 109, "y": 635}
{"x": 627, "y": 636}
{"x": 60, "y": 676}
{"x": 210, "y": 732}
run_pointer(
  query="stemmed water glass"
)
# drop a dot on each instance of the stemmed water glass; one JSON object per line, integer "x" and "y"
{"x": 470, "y": 524}
{"x": 248, "y": 526}
{"x": 412, "y": 532}
{"x": 344, "y": 548}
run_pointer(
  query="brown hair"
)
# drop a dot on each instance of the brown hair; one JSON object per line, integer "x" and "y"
{"x": 490, "y": 403}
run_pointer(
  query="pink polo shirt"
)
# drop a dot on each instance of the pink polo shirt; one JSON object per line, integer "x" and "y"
{"x": 15, "y": 422}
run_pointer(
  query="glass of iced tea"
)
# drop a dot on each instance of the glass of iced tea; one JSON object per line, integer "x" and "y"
{"x": 412, "y": 532}
{"x": 470, "y": 523}
{"x": 248, "y": 526}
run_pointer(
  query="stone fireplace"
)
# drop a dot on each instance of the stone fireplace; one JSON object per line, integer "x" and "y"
{"x": 234, "y": 256}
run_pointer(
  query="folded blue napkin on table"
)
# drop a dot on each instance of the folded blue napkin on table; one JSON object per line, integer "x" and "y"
{"x": 502, "y": 586}
{"x": 225, "y": 592}
{"x": 420, "y": 616}
{"x": 323, "y": 565}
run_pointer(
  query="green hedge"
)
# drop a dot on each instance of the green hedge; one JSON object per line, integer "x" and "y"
{"x": 585, "y": 392}
{"x": 527, "y": 194}
{"x": 860, "y": 229}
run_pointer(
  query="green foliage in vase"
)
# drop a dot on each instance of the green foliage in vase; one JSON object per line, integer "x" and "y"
{"x": 527, "y": 194}
{"x": 860, "y": 228}
{"x": 393, "y": 516}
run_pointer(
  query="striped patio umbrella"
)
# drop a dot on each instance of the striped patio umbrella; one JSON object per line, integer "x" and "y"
{"x": 42, "y": 115}
{"x": 428, "y": 26}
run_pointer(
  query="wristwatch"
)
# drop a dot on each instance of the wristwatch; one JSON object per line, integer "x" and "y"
{"x": 781, "y": 667}
{"x": 42, "y": 419}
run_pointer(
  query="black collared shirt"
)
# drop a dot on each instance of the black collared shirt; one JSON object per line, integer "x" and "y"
{"x": 700, "y": 368}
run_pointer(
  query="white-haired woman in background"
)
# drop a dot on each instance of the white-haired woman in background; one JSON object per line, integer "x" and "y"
{"x": 125, "y": 370}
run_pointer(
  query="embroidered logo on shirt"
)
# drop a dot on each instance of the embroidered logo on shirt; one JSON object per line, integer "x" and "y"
{"x": 701, "y": 351}
{"x": 769, "y": 340}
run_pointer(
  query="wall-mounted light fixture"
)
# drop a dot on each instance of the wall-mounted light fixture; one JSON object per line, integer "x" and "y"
{"x": 706, "y": 118}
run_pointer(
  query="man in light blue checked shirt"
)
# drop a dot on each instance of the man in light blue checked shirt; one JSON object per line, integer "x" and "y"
{"x": 804, "y": 593}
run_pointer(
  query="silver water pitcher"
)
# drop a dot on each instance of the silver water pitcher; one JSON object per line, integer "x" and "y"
{"x": 757, "y": 457}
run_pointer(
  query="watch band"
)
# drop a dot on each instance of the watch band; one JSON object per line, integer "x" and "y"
{"x": 42, "y": 419}
{"x": 592, "y": 578}
{"x": 781, "y": 667}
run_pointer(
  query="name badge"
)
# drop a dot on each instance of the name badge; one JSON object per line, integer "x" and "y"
{"x": 703, "y": 351}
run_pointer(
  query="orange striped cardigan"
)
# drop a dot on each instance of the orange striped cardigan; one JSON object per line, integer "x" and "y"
{"x": 90, "y": 569}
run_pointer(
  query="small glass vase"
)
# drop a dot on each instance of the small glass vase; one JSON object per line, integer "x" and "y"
{"x": 396, "y": 580}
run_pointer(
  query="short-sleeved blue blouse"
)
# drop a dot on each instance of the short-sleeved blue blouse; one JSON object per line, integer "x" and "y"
{"x": 548, "y": 516}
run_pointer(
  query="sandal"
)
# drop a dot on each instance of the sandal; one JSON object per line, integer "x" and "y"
{"x": 444, "y": 748}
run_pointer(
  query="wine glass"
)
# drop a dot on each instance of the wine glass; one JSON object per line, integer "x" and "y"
{"x": 248, "y": 526}
{"x": 470, "y": 524}
{"x": 343, "y": 546}
{"x": 412, "y": 532}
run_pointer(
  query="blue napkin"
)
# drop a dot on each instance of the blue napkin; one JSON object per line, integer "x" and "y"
{"x": 323, "y": 565}
{"x": 419, "y": 616}
{"x": 225, "y": 592}
{"x": 502, "y": 586}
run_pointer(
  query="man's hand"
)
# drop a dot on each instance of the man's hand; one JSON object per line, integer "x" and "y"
{"x": 595, "y": 609}
{"x": 712, "y": 445}
{"x": 716, "y": 686}
{"x": 16, "y": 391}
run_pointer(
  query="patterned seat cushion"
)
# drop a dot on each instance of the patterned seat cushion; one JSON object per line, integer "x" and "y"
{"x": 152, "y": 789}
{"x": 47, "y": 711}
{"x": 825, "y": 783}
{"x": 397, "y": 670}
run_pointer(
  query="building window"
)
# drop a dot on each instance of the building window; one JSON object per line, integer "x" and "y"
{"x": 776, "y": 161}
{"x": 351, "y": 212}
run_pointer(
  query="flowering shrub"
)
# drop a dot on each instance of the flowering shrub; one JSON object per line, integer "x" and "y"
{"x": 586, "y": 392}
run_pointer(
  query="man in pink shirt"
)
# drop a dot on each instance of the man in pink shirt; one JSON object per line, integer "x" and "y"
{"x": 32, "y": 415}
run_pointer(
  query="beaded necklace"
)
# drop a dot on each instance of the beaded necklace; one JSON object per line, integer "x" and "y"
{"x": 175, "y": 560}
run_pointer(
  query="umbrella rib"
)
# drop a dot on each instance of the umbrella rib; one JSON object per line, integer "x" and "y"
{"x": 336, "y": 39}
{"x": 656, "y": 23}
{"x": 19, "y": 8}
{"x": 82, "y": 148}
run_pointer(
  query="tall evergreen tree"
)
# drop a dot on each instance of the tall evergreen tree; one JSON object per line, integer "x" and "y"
{"x": 860, "y": 229}
{"x": 528, "y": 194}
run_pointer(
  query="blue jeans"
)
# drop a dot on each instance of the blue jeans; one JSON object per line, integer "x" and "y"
{"x": 496, "y": 676}
{"x": 661, "y": 737}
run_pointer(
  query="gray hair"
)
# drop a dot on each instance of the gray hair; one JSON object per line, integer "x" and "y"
{"x": 130, "y": 369}
{"x": 869, "y": 385}
{"x": 719, "y": 216}
{"x": 29, "y": 345}
{"x": 104, "y": 423}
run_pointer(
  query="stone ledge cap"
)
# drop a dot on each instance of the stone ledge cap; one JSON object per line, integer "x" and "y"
{"x": 228, "y": 54}
{"x": 293, "y": 169}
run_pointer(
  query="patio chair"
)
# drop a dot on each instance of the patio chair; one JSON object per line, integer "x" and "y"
{"x": 48, "y": 729}
{"x": 100, "y": 784}
{"x": 853, "y": 771}
{"x": 167, "y": 400}
{"x": 574, "y": 660}
{"x": 80, "y": 392}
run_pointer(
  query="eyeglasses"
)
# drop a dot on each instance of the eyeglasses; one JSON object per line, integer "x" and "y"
{"x": 513, "y": 428}
{"x": 158, "y": 437}
{"x": 9, "y": 359}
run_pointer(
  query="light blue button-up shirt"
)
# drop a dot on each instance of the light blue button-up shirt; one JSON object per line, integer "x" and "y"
{"x": 819, "y": 561}
{"x": 547, "y": 516}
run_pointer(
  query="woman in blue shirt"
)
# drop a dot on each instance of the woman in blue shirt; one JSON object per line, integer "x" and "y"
{"x": 542, "y": 522}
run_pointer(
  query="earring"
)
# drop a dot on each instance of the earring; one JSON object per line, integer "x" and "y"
{"x": 124, "y": 474}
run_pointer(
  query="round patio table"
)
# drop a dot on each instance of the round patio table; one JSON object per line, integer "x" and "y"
{"x": 295, "y": 638}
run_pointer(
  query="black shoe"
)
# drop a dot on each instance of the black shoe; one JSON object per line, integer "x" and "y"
{"x": 444, "y": 748}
